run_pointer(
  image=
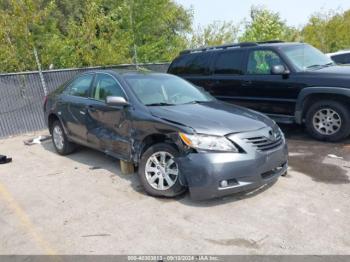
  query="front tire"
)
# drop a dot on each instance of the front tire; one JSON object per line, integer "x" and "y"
{"x": 159, "y": 173}
{"x": 328, "y": 121}
{"x": 60, "y": 140}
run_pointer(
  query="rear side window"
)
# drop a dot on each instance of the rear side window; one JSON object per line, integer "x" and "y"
{"x": 229, "y": 63}
{"x": 191, "y": 64}
{"x": 341, "y": 59}
{"x": 178, "y": 67}
{"x": 80, "y": 86}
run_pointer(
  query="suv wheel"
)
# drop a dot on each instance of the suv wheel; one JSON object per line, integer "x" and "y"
{"x": 328, "y": 121}
{"x": 158, "y": 171}
{"x": 60, "y": 141}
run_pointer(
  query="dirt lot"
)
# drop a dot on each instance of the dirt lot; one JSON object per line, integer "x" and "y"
{"x": 60, "y": 205}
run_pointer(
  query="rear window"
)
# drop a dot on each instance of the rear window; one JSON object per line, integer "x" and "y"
{"x": 191, "y": 64}
{"x": 229, "y": 63}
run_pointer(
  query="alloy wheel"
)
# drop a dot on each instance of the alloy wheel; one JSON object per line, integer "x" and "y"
{"x": 58, "y": 138}
{"x": 327, "y": 121}
{"x": 161, "y": 171}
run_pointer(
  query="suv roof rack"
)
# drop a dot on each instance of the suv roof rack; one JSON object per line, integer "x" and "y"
{"x": 203, "y": 49}
{"x": 243, "y": 44}
{"x": 270, "y": 42}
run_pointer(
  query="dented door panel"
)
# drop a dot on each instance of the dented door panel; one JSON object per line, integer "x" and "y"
{"x": 109, "y": 128}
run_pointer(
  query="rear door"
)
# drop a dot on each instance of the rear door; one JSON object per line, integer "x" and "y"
{"x": 193, "y": 67}
{"x": 108, "y": 126}
{"x": 74, "y": 107}
{"x": 263, "y": 91}
{"x": 226, "y": 80}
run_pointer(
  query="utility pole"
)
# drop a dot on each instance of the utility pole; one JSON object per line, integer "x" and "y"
{"x": 131, "y": 4}
{"x": 40, "y": 71}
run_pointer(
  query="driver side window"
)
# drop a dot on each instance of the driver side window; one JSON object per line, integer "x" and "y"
{"x": 106, "y": 85}
{"x": 260, "y": 62}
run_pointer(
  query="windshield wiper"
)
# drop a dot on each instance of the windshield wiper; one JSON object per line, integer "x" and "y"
{"x": 160, "y": 104}
{"x": 320, "y": 66}
{"x": 313, "y": 66}
{"x": 195, "y": 102}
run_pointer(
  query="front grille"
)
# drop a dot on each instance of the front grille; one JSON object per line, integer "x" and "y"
{"x": 263, "y": 143}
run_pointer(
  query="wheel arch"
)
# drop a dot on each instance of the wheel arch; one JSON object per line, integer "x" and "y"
{"x": 50, "y": 120}
{"x": 312, "y": 94}
{"x": 52, "y": 117}
{"x": 151, "y": 140}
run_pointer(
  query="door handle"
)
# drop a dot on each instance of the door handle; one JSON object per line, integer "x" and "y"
{"x": 91, "y": 108}
{"x": 247, "y": 83}
{"x": 211, "y": 83}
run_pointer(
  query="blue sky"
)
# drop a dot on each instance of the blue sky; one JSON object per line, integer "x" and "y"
{"x": 295, "y": 12}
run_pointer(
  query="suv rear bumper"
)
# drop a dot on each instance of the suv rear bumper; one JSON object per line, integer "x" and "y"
{"x": 203, "y": 172}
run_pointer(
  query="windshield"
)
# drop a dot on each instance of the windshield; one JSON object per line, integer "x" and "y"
{"x": 306, "y": 57}
{"x": 162, "y": 90}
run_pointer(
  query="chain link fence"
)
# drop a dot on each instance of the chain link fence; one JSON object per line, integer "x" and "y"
{"x": 22, "y": 96}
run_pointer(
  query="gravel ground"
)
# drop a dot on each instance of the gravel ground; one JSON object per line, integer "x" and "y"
{"x": 81, "y": 204}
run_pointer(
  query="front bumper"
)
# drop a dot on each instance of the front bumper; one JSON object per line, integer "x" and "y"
{"x": 203, "y": 172}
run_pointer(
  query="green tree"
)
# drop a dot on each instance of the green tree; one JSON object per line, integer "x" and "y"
{"x": 329, "y": 31}
{"x": 217, "y": 33}
{"x": 90, "y": 32}
{"x": 160, "y": 28}
{"x": 21, "y": 21}
{"x": 96, "y": 38}
{"x": 265, "y": 25}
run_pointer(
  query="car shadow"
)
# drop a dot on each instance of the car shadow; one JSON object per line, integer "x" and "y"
{"x": 312, "y": 158}
{"x": 298, "y": 133}
{"x": 96, "y": 160}
{"x": 295, "y": 132}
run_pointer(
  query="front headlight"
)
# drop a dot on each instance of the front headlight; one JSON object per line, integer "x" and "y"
{"x": 208, "y": 142}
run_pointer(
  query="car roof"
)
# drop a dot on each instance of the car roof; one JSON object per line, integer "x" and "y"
{"x": 124, "y": 72}
{"x": 274, "y": 43}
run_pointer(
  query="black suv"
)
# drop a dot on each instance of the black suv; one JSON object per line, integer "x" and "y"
{"x": 290, "y": 82}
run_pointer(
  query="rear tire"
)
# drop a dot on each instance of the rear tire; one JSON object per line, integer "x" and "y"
{"x": 328, "y": 121}
{"x": 159, "y": 173}
{"x": 60, "y": 140}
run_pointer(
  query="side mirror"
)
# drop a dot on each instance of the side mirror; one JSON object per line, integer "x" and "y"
{"x": 116, "y": 101}
{"x": 279, "y": 70}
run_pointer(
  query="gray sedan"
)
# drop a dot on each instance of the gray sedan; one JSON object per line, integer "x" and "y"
{"x": 178, "y": 136}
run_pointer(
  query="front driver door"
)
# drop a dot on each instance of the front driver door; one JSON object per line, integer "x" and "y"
{"x": 265, "y": 92}
{"x": 108, "y": 126}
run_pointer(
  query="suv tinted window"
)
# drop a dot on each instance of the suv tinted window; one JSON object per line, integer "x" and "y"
{"x": 105, "y": 86}
{"x": 260, "y": 62}
{"x": 191, "y": 64}
{"x": 80, "y": 86}
{"x": 341, "y": 59}
{"x": 229, "y": 63}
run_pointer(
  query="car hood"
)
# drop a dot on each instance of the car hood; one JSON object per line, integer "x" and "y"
{"x": 337, "y": 70}
{"x": 332, "y": 76}
{"x": 214, "y": 118}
